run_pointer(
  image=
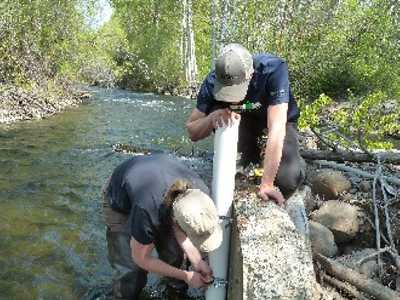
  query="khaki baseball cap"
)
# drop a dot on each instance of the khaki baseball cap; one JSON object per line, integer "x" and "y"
{"x": 196, "y": 214}
{"x": 233, "y": 71}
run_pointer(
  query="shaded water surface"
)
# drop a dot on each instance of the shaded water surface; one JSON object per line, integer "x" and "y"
{"x": 52, "y": 236}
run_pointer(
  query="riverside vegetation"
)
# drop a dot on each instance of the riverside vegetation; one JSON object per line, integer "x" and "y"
{"x": 347, "y": 50}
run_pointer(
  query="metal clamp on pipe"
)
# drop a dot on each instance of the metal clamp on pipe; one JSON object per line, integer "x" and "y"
{"x": 219, "y": 282}
{"x": 227, "y": 220}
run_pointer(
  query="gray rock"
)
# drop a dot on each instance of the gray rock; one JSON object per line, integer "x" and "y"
{"x": 329, "y": 184}
{"x": 353, "y": 191}
{"x": 322, "y": 240}
{"x": 272, "y": 259}
{"x": 365, "y": 186}
{"x": 310, "y": 202}
{"x": 297, "y": 211}
{"x": 344, "y": 220}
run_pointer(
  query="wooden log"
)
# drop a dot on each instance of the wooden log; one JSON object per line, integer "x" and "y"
{"x": 331, "y": 164}
{"x": 346, "y": 287}
{"x": 342, "y": 156}
{"x": 360, "y": 281}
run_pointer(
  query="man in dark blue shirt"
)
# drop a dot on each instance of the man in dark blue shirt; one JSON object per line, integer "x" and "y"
{"x": 241, "y": 78}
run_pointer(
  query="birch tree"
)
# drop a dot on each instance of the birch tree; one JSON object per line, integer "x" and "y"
{"x": 188, "y": 44}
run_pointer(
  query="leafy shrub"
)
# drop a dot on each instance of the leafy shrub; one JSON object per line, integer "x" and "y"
{"x": 364, "y": 121}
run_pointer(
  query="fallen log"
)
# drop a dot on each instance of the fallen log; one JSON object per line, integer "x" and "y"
{"x": 342, "y": 156}
{"x": 331, "y": 164}
{"x": 346, "y": 287}
{"x": 360, "y": 281}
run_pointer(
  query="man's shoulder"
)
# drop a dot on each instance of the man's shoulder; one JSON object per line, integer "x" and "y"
{"x": 204, "y": 95}
{"x": 210, "y": 78}
{"x": 266, "y": 62}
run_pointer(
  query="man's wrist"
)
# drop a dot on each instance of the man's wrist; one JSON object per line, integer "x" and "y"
{"x": 266, "y": 184}
{"x": 210, "y": 123}
{"x": 184, "y": 276}
{"x": 195, "y": 264}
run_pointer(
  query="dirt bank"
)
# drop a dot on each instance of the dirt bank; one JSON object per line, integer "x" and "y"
{"x": 18, "y": 104}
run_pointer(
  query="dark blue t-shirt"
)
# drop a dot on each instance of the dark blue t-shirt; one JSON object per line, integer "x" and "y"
{"x": 269, "y": 85}
{"x": 138, "y": 187}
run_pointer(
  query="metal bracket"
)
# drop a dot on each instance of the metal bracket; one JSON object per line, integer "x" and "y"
{"x": 227, "y": 220}
{"x": 219, "y": 282}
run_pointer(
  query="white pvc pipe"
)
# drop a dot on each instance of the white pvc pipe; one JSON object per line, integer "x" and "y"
{"x": 223, "y": 185}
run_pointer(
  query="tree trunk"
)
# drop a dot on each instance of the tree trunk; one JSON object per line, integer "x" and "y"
{"x": 191, "y": 47}
{"x": 214, "y": 29}
{"x": 188, "y": 44}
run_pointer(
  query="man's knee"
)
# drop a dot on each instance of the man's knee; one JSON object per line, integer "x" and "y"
{"x": 130, "y": 285}
{"x": 119, "y": 251}
{"x": 169, "y": 251}
{"x": 290, "y": 177}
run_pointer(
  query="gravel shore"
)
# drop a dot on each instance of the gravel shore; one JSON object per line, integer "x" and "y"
{"x": 17, "y": 104}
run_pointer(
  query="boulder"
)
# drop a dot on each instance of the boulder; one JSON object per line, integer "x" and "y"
{"x": 344, "y": 220}
{"x": 270, "y": 258}
{"x": 322, "y": 240}
{"x": 296, "y": 209}
{"x": 310, "y": 202}
{"x": 329, "y": 184}
{"x": 365, "y": 186}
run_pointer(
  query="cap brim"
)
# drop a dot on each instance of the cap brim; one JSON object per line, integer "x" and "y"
{"x": 212, "y": 242}
{"x": 230, "y": 93}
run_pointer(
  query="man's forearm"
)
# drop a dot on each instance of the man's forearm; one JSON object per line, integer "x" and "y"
{"x": 155, "y": 265}
{"x": 192, "y": 253}
{"x": 187, "y": 246}
{"x": 200, "y": 128}
{"x": 273, "y": 155}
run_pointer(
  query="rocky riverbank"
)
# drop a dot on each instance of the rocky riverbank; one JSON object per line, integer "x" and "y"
{"x": 339, "y": 210}
{"x": 18, "y": 104}
{"x": 343, "y": 210}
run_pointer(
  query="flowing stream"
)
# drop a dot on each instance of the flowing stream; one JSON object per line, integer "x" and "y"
{"x": 52, "y": 235}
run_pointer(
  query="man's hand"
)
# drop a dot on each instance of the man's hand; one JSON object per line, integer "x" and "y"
{"x": 193, "y": 254}
{"x": 204, "y": 269}
{"x": 223, "y": 116}
{"x": 195, "y": 279}
{"x": 268, "y": 192}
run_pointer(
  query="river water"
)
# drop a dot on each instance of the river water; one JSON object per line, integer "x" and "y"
{"x": 52, "y": 235}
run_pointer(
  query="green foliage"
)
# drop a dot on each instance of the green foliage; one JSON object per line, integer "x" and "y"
{"x": 38, "y": 38}
{"x": 369, "y": 121}
{"x": 311, "y": 113}
{"x": 152, "y": 29}
{"x": 331, "y": 47}
{"x": 364, "y": 121}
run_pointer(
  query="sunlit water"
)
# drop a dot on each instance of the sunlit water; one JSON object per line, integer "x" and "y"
{"x": 52, "y": 235}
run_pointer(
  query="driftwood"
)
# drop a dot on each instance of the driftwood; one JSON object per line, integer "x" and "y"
{"x": 361, "y": 282}
{"x": 348, "y": 288}
{"x": 331, "y": 164}
{"x": 342, "y": 156}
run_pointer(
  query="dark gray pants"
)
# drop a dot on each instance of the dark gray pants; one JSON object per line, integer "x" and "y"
{"x": 291, "y": 172}
{"x": 128, "y": 278}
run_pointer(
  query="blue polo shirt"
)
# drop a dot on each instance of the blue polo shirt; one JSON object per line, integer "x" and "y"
{"x": 269, "y": 85}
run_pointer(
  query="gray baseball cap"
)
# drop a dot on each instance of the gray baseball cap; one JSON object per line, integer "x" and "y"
{"x": 196, "y": 214}
{"x": 233, "y": 71}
